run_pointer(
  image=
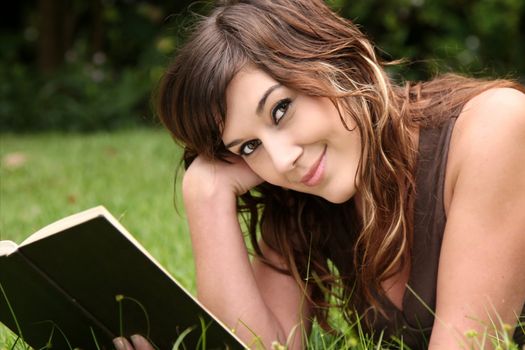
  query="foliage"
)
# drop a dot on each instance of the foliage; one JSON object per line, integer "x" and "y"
{"x": 78, "y": 97}
{"x": 92, "y": 86}
{"x": 481, "y": 38}
{"x": 112, "y": 53}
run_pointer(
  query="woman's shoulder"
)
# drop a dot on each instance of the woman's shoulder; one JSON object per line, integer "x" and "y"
{"x": 493, "y": 115}
{"x": 494, "y": 106}
{"x": 480, "y": 264}
{"x": 489, "y": 130}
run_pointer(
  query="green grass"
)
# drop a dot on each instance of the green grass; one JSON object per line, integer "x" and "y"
{"x": 129, "y": 172}
{"x": 46, "y": 177}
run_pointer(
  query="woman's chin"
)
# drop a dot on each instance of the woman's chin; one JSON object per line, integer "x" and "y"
{"x": 339, "y": 197}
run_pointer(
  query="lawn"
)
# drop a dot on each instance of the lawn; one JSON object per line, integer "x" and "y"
{"x": 45, "y": 177}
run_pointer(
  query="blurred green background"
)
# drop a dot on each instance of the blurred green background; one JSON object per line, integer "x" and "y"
{"x": 76, "y": 124}
{"x": 80, "y": 65}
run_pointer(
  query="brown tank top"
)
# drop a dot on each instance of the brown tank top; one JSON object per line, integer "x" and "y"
{"x": 414, "y": 324}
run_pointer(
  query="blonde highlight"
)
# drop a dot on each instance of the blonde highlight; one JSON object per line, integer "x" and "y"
{"x": 305, "y": 46}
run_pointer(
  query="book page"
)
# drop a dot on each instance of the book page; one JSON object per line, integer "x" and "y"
{"x": 66, "y": 222}
{"x": 82, "y": 268}
{"x": 83, "y": 216}
{"x": 139, "y": 246}
{"x": 7, "y": 247}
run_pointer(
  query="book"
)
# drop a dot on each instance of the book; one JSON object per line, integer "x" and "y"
{"x": 84, "y": 280}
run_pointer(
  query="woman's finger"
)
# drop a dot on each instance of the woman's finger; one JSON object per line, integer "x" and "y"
{"x": 140, "y": 343}
{"x": 122, "y": 343}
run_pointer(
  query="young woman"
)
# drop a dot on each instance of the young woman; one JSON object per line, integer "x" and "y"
{"x": 401, "y": 205}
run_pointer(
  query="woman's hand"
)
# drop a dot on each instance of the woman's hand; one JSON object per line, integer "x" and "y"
{"x": 205, "y": 178}
{"x": 138, "y": 341}
{"x": 261, "y": 304}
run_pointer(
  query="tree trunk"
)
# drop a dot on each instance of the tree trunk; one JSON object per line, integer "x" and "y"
{"x": 97, "y": 39}
{"x": 51, "y": 46}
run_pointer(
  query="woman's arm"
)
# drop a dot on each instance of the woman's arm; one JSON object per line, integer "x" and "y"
{"x": 481, "y": 278}
{"x": 261, "y": 304}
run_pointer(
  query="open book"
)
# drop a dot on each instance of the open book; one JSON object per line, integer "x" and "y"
{"x": 84, "y": 280}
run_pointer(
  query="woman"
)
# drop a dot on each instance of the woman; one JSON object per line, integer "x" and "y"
{"x": 401, "y": 205}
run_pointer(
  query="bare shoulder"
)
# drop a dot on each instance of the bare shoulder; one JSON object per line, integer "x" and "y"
{"x": 489, "y": 147}
{"x": 500, "y": 106}
{"x": 490, "y": 122}
{"x": 482, "y": 249}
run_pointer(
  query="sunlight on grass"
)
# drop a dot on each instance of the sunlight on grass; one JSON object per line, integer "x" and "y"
{"x": 129, "y": 172}
{"x": 46, "y": 177}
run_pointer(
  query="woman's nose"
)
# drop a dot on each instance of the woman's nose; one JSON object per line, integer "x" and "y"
{"x": 283, "y": 153}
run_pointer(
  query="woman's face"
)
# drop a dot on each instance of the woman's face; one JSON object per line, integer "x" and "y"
{"x": 289, "y": 139}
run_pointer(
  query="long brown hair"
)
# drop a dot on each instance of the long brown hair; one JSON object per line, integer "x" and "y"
{"x": 305, "y": 46}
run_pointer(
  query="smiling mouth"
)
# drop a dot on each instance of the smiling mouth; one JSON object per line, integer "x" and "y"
{"x": 315, "y": 174}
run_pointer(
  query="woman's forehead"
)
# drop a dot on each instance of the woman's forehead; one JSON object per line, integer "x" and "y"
{"x": 245, "y": 97}
{"x": 247, "y": 88}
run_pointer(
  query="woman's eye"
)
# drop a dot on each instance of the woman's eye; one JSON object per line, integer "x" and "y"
{"x": 280, "y": 110}
{"x": 249, "y": 147}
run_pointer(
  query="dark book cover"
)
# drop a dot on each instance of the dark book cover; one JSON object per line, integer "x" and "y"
{"x": 84, "y": 285}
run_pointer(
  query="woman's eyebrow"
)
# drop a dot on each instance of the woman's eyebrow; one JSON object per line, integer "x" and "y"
{"x": 233, "y": 143}
{"x": 259, "y": 109}
{"x": 261, "y": 103}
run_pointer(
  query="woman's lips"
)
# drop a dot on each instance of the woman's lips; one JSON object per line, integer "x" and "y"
{"x": 315, "y": 174}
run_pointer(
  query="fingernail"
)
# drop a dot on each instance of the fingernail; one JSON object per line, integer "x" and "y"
{"x": 119, "y": 344}
{"x": 137, "y": 339}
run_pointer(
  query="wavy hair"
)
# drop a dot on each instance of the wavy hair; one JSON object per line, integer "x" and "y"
{"x": 305, "y": 46}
